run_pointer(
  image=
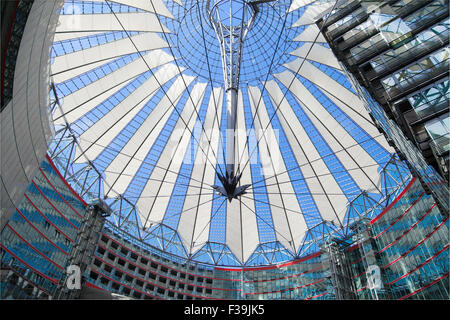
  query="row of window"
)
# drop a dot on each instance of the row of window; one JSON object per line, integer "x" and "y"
{"x": 411, "y": 243}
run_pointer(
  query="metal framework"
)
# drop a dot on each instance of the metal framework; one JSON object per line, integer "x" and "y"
{"x": 87, "y": 181}
{"x": 269, "y": 104}
{"x": 231, "y": 20}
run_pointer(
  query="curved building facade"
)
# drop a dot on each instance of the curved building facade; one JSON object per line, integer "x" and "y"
{"x": 37, "y": 240}
{"x": 26, "y": 126}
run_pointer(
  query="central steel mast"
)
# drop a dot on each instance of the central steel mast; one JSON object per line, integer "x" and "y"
{"x": 231, "y": 20}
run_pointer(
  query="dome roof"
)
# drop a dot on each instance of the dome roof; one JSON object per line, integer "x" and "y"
{"x": 140, "y": 84}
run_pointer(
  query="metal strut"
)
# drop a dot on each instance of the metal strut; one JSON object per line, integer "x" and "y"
{"x": 231, "y": 20}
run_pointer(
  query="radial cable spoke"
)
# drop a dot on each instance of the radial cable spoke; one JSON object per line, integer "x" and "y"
{"x": 168, "y": 97}
{"x": 284, "y": 96}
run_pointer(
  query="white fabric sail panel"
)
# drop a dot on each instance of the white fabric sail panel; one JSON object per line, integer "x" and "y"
{"x": 311, "y": 12}
{"x": 67, "y": 74}
{"x": 156, "y": 6}
{"x": 25, "y": 126}
{"x": 165, "y": 173}
{"x": 139, "y": 21}
{"x": 63, "y": 36}
{"x": 362, "y": 119}
{"x": 332, "y": 87}
{"x": 143, "y": 42}
{"x": 114, "y": 121}
{"x": 311, "y": 34}
{"x": 287, "y": 216}
{"x": 315, "y": 52}
{"x": 71, "y": 105}
{"x": 318, "y": 177}
{"x": 242, "y": 235}
{"x": 79, "y": 102}
{"x": 194, "y": 223}
{"x": 328, "y": 85}
{"x": 296, "y": 4}
{"x": 338, "y": 139}
{"x": 123, "y": 168}
{"x": 346, "y": 100}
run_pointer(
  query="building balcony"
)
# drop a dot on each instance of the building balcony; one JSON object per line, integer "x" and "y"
{"x": 394, "y": 59}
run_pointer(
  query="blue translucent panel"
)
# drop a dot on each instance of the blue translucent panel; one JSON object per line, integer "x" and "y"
{"x": 342, "y": 177}
{"x": 140, "y": 179}
{"x": 302, "y": 192}
{"x": 71, "y": 85}
{"x": 76, "y": 44}
{"x": 334, "y": 74}
{"x": 219, "y": 207}
{"x": 262, "y": 207}
{"x": 371, "y": 146}
{"x": 175, "y": 206}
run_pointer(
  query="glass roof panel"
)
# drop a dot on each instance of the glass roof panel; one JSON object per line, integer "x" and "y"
{"x": 141, "y": 87}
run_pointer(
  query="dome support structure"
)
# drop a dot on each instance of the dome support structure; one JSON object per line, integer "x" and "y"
{"x": 231, "y": 20}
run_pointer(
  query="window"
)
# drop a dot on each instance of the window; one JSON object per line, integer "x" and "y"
{"x": 111, "y": 256}
{"x": 438, "y": 127}
{"x": 439, "y": 131}
{"x": 115, "y": 286}
{"x": 141, "y": 272}
{"x": 160, "y": 291}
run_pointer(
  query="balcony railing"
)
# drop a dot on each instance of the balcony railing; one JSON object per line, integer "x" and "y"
{"x": 394, "y": 59}
{"x": 441, "y": 144}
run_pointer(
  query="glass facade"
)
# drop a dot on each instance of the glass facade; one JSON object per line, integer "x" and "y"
{"x": 396, "y": 53}
{"x": 37, "y": 240}
{"x": 125, "y": 266}
{"x": 401, "y": 252}
{"x": 409, "y": 243}
{"x": 406, "y": 245}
